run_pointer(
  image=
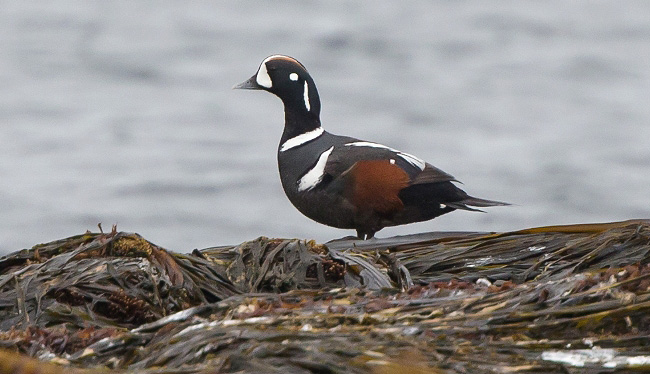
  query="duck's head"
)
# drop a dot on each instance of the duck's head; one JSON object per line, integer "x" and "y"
{"x": 288, "y": 79}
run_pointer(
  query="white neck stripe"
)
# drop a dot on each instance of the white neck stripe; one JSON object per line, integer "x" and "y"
{"x": 301, "y": 139}
{"x": 305, "y": 96}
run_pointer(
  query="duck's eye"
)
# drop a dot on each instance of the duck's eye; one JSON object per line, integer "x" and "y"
{"x": 293, "y": 76}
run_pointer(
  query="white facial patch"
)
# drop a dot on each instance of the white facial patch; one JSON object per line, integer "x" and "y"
{"x": 305, "y": 95}
{"x": 315, "y": 175}
{"x": 407, "y": 157}
{"x": 301, "y": 139}
{"x": 263, "y": 78}
{"x": 293, "y": 76}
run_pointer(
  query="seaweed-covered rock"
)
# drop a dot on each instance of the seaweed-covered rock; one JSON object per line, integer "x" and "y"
{"x": 553, "y": 299}
{"x": 102, "y": 280}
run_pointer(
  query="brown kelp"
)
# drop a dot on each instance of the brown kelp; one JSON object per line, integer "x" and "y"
{"x": 553, "y": 299}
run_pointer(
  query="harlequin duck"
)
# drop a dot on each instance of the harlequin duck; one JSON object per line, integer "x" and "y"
{"x": 345, "y": 182}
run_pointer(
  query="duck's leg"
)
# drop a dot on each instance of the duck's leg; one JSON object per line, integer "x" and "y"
{"x": 365, "y": 235}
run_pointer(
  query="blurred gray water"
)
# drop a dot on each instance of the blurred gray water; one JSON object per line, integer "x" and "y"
{"x": 122, "y": 112}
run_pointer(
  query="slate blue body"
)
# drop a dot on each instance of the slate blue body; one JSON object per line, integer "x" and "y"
{"x": 338, "y": 192}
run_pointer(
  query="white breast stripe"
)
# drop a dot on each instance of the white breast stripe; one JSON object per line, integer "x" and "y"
{"x": 418, "y": 163}
{"x": 305, "y": 95}
{"x": 301, "y": 139}
{"x": 315, "y": 175}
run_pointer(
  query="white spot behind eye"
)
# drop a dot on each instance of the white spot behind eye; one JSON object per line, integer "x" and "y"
{"x": 293, "y": 76}
{"x": 306, "y": 97}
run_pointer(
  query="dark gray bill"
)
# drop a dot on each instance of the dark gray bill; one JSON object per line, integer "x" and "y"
{"x": 250, "y": 84}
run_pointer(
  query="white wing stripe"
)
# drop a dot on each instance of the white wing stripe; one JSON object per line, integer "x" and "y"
{"x": 315, "y": 175}
{"x": 418, "y": 163}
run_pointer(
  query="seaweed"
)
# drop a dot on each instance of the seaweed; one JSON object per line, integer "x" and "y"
{"x": 552, "y": 299}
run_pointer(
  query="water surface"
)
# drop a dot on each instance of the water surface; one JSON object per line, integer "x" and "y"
{"x": 122, "y": 112}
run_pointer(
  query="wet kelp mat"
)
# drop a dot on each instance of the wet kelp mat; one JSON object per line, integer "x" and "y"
{"x": 562, "y": 299}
